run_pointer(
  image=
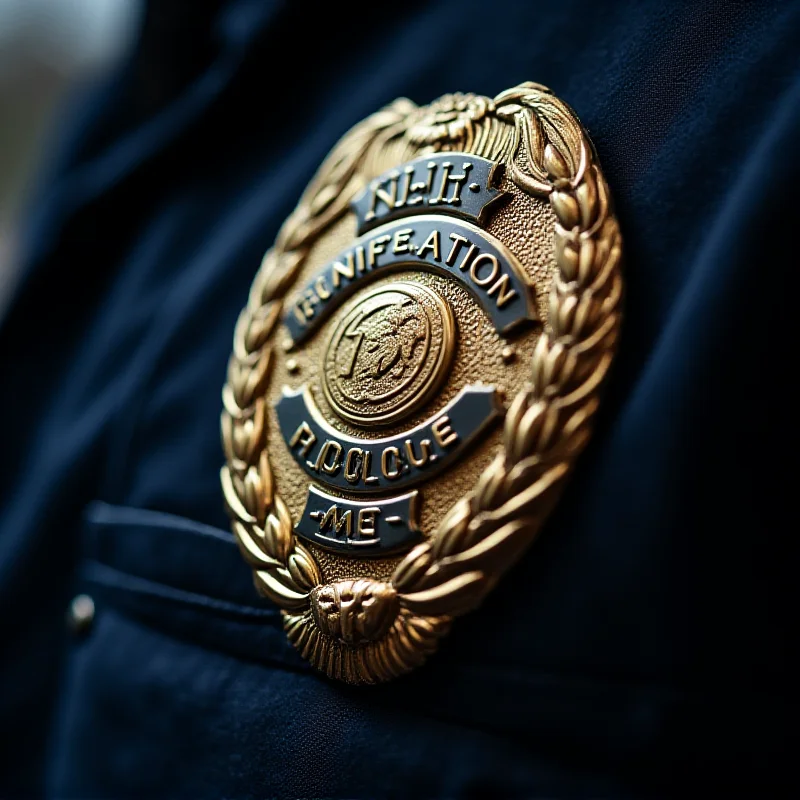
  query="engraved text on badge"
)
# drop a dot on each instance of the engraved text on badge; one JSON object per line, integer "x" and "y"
{"x": 350, "y": 526}
{"x": 375, "y": 465}
{"x": 483, "y": 264}
{"x": 450, "y": 183}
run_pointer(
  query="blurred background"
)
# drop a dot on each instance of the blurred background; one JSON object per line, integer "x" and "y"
{"x": 48, "y": 49}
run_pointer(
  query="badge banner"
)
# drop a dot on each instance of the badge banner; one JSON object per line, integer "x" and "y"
{"x": 376, "y": 528}
{"x": 375, "y": 465}
{"x": 484, "y": 265}
{"x": 447, "y": 183}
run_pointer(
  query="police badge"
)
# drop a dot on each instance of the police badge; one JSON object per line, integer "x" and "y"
{"x": 417, "y": 369}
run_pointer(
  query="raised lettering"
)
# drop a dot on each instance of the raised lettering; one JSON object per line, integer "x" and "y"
{"x": 366, "y": 520}
{"x": 375, "y": 247}
{"x": 443, "y": 433}
{"x": 360, "y": 267}
{"x": 322, "y": 288}
{"x": 307, "y": 303}
{"x": 431, "y": 243}
{"x": 332, "y": 520}
{"x": 484, "y": 258}
{"x": 297, "y": 310}
{"x": 493, "y": 275}
{"x": 446, "y": 167}
{"x": 416, "y": 193}
{"x": 401, "y": 239}
{"x": 409, "y": 173}
{"x": 368, "y": 478}
{"x": 458, "y": 183}
{"x": 428, "y": 188}
{"x": 323, "y": 461}
{"x": 303, "y": 436}
{"x": 352, "y": 465}
{"x": 502, "y": 290}
{"x": 361, "y": 465}
{"x": 340, "y": 270}
{"x": 390, "y": 463}
{"x": 379, "y": 194}
{"x": 457, "y": 240}
{"x": 350, "y": 526}
{"x": 467, "y": 256}
{"x": 424, "y": 449}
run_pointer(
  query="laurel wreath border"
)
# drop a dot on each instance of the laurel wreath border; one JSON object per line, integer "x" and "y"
{"x": 546, "y": 426}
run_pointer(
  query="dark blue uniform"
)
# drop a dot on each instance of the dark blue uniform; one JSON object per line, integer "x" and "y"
{"x": 641, "y": 649}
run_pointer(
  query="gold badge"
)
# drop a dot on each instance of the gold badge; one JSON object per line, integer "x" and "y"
{"x": 416, "y": 370}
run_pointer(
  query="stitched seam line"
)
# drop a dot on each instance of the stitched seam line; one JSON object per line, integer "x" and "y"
{"x": 106, "y": 514}
{"x": 104, "y": 575}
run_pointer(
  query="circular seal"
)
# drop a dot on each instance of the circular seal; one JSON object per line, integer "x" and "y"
{"x": 388, "y": 354}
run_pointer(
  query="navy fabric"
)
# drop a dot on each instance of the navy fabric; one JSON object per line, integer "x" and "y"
{"x": 642, "y": 646}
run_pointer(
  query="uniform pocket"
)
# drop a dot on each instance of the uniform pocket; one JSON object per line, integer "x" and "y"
{"x": 181, "y": 577}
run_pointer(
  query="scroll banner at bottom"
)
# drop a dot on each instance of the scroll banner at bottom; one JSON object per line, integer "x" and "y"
{"x": 374, "y": 528}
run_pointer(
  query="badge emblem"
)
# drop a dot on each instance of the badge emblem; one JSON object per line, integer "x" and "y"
{"x": 417, "y": 369}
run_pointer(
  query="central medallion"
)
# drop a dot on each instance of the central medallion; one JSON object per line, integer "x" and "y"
{"x": 388, "y": 354}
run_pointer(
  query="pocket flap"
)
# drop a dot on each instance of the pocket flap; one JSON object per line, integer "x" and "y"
{"x": 182, "y": 577}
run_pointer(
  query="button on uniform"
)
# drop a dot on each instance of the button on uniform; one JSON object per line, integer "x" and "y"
{"x": 81, "y": 614}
